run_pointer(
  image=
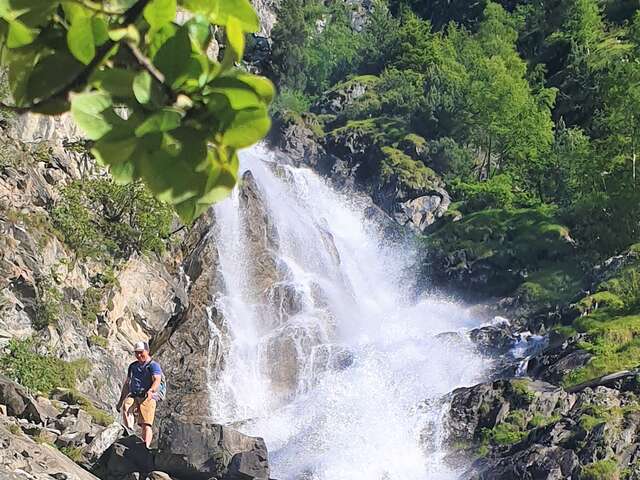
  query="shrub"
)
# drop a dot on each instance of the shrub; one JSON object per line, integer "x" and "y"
{"x": 74, "y": 453}
{"x": 497, "y": 192}
{"x": 601, "y": 470}
{"x": 48, "y": 303}
{"x": 40, "y": 373}
{"x": 98, "y": 218}
{"x": 290, "y": 100}
{"x": 99, "y": 416}
{"x": 98, "y": 340}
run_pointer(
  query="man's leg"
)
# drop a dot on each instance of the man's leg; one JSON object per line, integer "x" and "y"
{"x": 128, "y": 408}
{"x": 147, "y": 434}
{"x": 147, "y": 415}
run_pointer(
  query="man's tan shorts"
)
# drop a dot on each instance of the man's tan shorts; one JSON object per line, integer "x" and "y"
{"x": 145, "y": 410}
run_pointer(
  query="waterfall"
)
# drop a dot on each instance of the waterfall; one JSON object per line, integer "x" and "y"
{"x": 330, "y": 355}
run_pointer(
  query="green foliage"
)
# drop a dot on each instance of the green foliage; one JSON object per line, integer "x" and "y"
{"x": 48, "y": 303}
{"x": 494, "y": 193}
{"x": 40, "y": 373}
{"x": 99, "y": 218}
{"x": 507, "y": 243}
{"x": 99, "y": 416}
{"x": 601, "y": 470}
{"x": 314, "y": 45}
{"x": 74, "y": 453}
{"x": 158, "y": 108}
{"x": 410, "y": 174}
{"x": 291, "y": 101}
{"x": 99, "y": 341}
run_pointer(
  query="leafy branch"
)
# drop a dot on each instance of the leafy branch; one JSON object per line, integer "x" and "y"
{"x": 142, "y": 88}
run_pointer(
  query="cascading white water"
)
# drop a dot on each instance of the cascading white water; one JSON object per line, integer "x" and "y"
{"x": 346, "y": 385}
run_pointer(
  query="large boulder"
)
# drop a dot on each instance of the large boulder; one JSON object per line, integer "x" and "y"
{"x": 189, "y": 449}
{"x": 485, "y": 406}
{"x": 198, "y": 450}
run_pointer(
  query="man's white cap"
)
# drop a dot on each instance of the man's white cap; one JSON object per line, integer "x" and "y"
{"x": 140, "y": 346}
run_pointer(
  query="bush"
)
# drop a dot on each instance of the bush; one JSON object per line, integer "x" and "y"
{"x": 74, "y": 453}
{"x": 40, "y": 373}
{"x": 99, "y": 416}
{"x": 48, "y": 303}
{"x": 601, "y": 470}
{"x": 289, "y": 100}
{"x": 497, "y": 192}
{"x": 98, "y": 219}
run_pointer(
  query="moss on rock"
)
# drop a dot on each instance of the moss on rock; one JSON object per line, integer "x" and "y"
{"x": 411, "y": 174}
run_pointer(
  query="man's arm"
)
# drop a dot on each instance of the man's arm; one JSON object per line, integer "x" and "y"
{"x": 155, "y": 386}
{"x": 123, "y": 393}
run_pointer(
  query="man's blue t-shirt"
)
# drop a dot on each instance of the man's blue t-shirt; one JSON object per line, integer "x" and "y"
{"x": 141, "y": 377}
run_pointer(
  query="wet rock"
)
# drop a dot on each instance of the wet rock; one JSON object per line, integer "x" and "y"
{"x": 536, "y": 462}
{"x": 494, "y": 339}
{"x": 561, "y": 357}
{"x": 486, "y": 405}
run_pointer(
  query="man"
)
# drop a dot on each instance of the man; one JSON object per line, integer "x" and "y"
{"x": 140, "y": 392}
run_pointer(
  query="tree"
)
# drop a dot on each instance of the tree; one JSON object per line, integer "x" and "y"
{"x": 511, "y": 125}
{"x": 142, "y": 87}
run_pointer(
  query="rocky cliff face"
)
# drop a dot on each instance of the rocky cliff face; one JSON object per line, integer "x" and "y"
{"x": 86, "y": 312}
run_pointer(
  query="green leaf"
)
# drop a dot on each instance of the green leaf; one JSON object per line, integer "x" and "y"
{"x": 142, "y": 87}
{"x": 235, "y": 36}
{"x": 19, "y": 34}
{"x": 20, "y": 63}
{"x": 159, "y": 12}
{"x": 100, "y": 30}
{"x": 165, "y": 120}
{"x": 261, "y": 85}
{"x": 173, "y": 58}
{"x": 52, "y": 73}
{"x": 241, "y": 10}
{"x": 239, "y": 94}
{"x": 247, "y": 127}
{"x": 53, "y": 106}
{"x": 117, "y": 81}
{"x": 92, "y": 112}
{"x": 176, "y": 171}
{"x": 80, "y": 39}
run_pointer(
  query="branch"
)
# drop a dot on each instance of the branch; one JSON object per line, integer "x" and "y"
{"x": 130, "y": 16}
{"x": 151, "y": 68}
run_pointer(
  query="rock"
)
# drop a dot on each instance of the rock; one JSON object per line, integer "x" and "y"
{"x": 13, "y": 397}
{"x": 422, "y": 212}
{"x": 40, "y": 410}
{"x": 158, "y": 476}
{"x": 100, "y": 444}
{"x": 561, "y": 357}
{"x": 197, "y": 450}
{"x": 488, "y": 404}
{"x": 3, "y": 410}
{"x": 125, "y": 457}
{"x": 20, "y": 453}
{"x": 536, "y": 462}
{"x": 493, "y": 339}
